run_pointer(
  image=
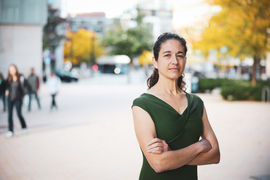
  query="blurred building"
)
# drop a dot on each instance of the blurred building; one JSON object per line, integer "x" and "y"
{"x": 21, "y": 23}
{"x": 158, "y": 15}
{"x": 95, "y": 21}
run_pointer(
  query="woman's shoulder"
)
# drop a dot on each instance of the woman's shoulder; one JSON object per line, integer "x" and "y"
{"x": 144, "y": 101}
{"x": 195, "y": 98}
{"x": 139, "y": 100}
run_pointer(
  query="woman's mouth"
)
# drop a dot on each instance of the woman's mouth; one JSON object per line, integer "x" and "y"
{"x": 174, "y": 69}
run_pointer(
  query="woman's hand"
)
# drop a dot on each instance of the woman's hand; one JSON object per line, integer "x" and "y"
{"x": 7, "y": 93}
{"x": 157, "y": 146}
{"x": 206, "y": 145}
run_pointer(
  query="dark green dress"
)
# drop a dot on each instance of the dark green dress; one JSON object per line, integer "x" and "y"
{"x": 179, "y": 131}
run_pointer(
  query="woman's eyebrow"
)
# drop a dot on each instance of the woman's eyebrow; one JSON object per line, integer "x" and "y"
{"x": 180, "y": 52}
{"x": 170, "y": 52}
{"x": 166, "y": 52}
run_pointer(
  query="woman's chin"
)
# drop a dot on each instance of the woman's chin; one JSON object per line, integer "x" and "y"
{"x": 175, "y": 78}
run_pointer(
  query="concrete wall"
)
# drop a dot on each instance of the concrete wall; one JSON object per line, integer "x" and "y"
{"x": 21, "y": 45}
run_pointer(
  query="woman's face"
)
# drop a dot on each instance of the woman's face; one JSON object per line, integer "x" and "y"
{"x": 12, "y": 70}
{"x": 171, "y": 59}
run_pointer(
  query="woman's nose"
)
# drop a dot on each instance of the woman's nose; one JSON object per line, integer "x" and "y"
{"x": 174, "y": 60}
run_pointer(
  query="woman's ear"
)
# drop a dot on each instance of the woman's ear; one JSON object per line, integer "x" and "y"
{"x": 154, "y": 62}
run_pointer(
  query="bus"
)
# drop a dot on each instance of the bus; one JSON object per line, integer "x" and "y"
{"x": 117, "y": 64}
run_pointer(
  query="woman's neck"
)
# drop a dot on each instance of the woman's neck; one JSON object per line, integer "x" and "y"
{"x": 14, "y": 78}
{"x": 168, "y": 86}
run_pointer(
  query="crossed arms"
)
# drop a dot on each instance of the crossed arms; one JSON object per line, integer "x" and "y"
{"x": 158, "y": 153}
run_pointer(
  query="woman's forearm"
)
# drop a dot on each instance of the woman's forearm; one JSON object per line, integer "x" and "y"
{"x": 170, "y": 160}
{"x": 210, "y": 157}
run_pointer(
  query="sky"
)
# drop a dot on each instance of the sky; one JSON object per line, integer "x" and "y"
{"x": 112, "y": 8}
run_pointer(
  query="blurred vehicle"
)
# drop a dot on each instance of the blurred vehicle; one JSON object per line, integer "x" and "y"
{"x": 118, "y": 64}
{"x": 66, "y": 76}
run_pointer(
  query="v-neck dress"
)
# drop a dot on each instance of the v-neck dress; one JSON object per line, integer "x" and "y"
{"x": 178, "y": 130}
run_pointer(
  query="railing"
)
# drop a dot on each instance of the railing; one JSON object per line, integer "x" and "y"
{"x": 265, "y": 90}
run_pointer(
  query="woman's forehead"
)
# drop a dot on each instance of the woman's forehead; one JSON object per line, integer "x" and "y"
{"x": 172, "y": 45}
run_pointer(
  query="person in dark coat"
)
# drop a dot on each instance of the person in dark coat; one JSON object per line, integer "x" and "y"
{"x": 33, "y": 81}
{"x": 3, "y": 87}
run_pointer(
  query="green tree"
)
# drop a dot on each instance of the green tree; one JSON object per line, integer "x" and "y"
{"x": 128, "y": 41}
{"x": 54, "y": 30}
{"x": 242, "y": 26}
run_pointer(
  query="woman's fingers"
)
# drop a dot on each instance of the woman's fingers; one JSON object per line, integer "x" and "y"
{"x": 157, "y": 150}
{"x": 206, "y": 145}
{"x": 157, "y": 146}
{"x": 153, "y": 141}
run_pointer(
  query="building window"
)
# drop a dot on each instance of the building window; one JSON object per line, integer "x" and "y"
{"x": 100, "y": 22}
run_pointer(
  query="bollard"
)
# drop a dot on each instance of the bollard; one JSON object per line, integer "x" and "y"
{"x": 265, "y": 89}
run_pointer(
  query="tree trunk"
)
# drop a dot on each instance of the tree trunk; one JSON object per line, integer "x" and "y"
{"x": 239, "y": 72}
{"x": 254, "y": 68}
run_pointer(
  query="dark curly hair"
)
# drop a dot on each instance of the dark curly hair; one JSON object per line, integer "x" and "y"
{"x": 153, "y": 79}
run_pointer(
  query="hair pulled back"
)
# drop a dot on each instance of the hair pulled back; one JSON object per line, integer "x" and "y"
{"x": 153, "y": 79}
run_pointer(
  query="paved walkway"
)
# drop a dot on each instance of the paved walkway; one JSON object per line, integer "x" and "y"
{"x": 91, "y": 136}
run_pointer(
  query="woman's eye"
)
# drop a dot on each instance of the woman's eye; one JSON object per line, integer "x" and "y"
{"x": 167, "y": 55}
{"x": 180, "y": 56}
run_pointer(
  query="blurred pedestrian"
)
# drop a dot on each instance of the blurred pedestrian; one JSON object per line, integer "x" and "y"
{"x": 53, "y": 84}
{"x": 34, "y": 83}
{"x": 3, "y": 87}
{"x": 16, "y": 89}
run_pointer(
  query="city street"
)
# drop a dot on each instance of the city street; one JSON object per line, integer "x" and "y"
{"x": 91, "y": 135}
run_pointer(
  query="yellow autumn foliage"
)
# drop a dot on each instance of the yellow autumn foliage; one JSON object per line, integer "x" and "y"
{"x": 145, "y": 58}
{"x": 80, "y": 45}
{"x": 241, "y": 26}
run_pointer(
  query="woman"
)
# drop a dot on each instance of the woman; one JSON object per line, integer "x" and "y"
{"x": 15, "y": 93}
{"x": 169, "y": 122}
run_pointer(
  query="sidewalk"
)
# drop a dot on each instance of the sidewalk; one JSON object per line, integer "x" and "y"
{"x": 91, "y": 136}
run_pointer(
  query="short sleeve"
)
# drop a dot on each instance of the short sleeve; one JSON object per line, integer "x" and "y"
{"x": 140, "y": 102}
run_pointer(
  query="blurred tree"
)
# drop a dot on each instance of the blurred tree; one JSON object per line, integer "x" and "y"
{"x": 242, "y": 26}
{"x": 54, "y": 30}
{"x": 81, "y": 46}
{"x": 130, "y": 41}
{"x": 146, "y": 58}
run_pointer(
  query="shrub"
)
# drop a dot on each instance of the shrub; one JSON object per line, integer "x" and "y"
{"x": 239, "y": 90}
{"x": 209, "y": 84}
{"x": 234, "y": 89}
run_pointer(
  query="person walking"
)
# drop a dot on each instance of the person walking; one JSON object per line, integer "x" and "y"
{"x": 53, "y": 84}
{"x": 3, "y": 87}
{"x": 34, "y": 83}
{"x": 16, "y": 89}
{"x": 169, "y": 122}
